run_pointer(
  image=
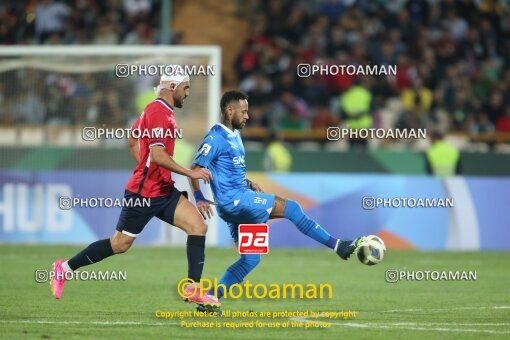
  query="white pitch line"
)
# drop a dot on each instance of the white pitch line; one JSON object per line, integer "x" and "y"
{"x": 436, "y": 309}
{"x": 422, "y": 326}
{"x": 102, "y": 323}
{"x": 395, "y": 326}
{"x": 398, "y": 310}
{"x": 487, "y": 324}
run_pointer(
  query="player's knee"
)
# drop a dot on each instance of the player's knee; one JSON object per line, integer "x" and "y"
{"x": 121, "y": 246}
{"x": 251, "y": 260}
{"x": 292, "y": 209}
{"x": 196, "y": 227}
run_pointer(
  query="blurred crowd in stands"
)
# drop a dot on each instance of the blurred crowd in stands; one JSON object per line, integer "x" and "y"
{"x": 58, "y": 98}
{"x": 84, "y": 22}
{"x": 452, "y": 59}
{"x": 37, "y": 97}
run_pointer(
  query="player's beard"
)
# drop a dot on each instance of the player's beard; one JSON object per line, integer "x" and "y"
{"x": 238, "y": 125}
{"x": 178, "y": 102}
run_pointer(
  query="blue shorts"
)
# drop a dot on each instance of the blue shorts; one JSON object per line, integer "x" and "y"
{"x": 133, "y": 219}
{"x": 250, "y": 207}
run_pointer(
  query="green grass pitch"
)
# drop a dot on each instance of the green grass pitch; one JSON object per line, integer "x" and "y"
{"x": 126, "y": 309}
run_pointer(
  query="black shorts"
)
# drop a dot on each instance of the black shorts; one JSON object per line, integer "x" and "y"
{"x": 132, "y": 220}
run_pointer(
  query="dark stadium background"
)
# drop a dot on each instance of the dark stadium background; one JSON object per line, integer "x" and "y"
{"x": 453, "y": 80}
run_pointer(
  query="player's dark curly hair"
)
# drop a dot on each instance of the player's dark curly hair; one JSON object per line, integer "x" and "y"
{"x": 231, "y": 96}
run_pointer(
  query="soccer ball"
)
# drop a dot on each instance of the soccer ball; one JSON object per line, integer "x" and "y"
{"x": 371, "y": 251}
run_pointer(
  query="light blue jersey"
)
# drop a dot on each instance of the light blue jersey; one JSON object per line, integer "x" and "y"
{"x": 222, "y": 152}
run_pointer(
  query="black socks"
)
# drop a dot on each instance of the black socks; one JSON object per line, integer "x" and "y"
{"x": 195, "y": 248}
{"x": 99, "y": 250}
{"x": 95, "y": 252}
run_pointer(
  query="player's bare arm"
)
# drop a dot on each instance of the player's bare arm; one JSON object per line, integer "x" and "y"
{"x": 161, "y": 158}
{"x": 253, "y": 186}
{"x": 203, "y": 204}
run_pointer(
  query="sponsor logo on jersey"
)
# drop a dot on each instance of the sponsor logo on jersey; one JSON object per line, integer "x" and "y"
{"x": 205, "y": 149}
{"x": 238, "y": 160}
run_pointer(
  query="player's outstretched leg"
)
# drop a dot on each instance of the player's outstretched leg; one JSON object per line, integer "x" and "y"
{"x": 95, "y": 252}
{"x": 292, "y": 211}
{"x": 187, "y": 218}
{"x": 237, "y": 272}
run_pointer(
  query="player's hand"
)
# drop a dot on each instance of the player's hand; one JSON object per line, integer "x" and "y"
{"x": 201, "y": 173}
{"x": 204, "y": 207}
{"x": 255, "y": 187}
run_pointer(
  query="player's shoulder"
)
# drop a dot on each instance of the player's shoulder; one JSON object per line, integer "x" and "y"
{"x": 222, "y": 131}
{"x": 215, "y": 130}
{"x": 216, "y": 137}
{"x": 215, "y": 133}
{"x": 213, "y": 136}
{"x": 153, "y": 105}
{"x": 158, "y": 105}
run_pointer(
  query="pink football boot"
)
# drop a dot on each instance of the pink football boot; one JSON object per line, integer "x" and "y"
{"x": 58, "y": 280}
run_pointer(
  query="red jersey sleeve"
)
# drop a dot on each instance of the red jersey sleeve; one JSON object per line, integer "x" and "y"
{"x": 156, "y": 122}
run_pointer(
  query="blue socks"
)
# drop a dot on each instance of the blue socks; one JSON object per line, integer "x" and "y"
{"x": 293, "y": 212}
{"x": 238, "y": 271}
{"x": 307, "y": 226}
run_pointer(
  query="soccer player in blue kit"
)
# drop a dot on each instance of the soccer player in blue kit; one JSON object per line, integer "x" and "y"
{"x": 240, "y": 200}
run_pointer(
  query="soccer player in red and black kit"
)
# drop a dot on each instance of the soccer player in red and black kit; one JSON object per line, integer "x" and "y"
{"x": 152, "y": 179}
